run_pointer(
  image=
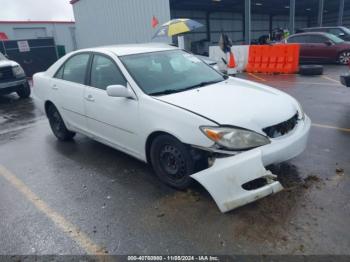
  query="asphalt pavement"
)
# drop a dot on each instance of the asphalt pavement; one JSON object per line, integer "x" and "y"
{"x": 82, "y": 197}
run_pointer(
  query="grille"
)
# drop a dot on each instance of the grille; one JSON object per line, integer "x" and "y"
{"x": 281, "y": 128}
{"x": 6, "y": 73}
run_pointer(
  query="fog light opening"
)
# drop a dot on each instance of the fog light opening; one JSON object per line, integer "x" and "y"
{"x": 259, "y": 182}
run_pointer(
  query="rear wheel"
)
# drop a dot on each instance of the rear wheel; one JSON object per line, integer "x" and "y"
{"x": 344, "y": 57}
{"x": 172, "y": 161}
{"x": 57, "y": 125}
{"x": 24, "y": 91}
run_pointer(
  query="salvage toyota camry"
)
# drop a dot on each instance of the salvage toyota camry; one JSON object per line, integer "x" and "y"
{"x": 168, "y": 108}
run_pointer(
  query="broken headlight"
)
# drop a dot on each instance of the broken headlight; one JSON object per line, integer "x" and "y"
{"x": 234, "y": 138}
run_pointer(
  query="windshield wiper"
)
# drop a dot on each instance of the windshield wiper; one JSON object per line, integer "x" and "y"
{"x": 166, "y": 92}
{"x": 201, "y": 84}
{"x": 172, "y": 91}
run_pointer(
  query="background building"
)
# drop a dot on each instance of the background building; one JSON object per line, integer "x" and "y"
{"x": 120, "y": 21}
{"x": 117, "y": 21}
{"x": 62, "y": 32}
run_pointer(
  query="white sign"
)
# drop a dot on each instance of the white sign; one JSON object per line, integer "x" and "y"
{"x": 23, "y": 46}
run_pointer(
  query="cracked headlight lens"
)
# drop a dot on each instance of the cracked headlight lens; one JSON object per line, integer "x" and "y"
{"x": 234, "y": 138}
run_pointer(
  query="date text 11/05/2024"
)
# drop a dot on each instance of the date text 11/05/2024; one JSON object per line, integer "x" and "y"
{"x": 173, "y": 258}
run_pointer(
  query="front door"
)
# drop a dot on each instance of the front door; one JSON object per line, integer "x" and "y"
{"x": 112, "y": 119}
{"x": 319, "y": 50}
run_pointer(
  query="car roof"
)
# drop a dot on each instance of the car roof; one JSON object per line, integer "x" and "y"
{"x": 311, "y": 33}
{"x": 322, "y": 27}
{"x": 130, "y": 49}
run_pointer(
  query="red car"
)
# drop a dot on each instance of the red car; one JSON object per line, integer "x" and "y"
{"x": 321, "y": 47}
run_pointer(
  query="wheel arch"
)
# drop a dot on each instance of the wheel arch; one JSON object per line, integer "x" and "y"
{"x": 151, "y": 137}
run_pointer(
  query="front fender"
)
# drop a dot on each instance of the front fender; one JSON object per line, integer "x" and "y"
{"x": 158, "y": 116}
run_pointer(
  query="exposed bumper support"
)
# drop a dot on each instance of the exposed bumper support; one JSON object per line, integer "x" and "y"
{"x": 225, "y": 178}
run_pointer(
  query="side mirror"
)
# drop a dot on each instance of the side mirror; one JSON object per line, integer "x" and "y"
{"x": 328, "y": 43}
{"x": 119, "y": 91}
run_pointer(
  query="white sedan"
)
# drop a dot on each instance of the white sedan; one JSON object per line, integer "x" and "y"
{"x": 168, "y": 108}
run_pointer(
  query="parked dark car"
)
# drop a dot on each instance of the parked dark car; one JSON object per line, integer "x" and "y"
{"x": 321, "y": 47}
{"x": 339, "y": 31}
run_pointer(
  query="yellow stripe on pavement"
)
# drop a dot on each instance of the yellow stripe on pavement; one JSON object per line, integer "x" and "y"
{"x": 331, "y": 79}
{"x": 74, "y": 232}
{"x": 257, "y": 77}
{"x": 332, "y": 127}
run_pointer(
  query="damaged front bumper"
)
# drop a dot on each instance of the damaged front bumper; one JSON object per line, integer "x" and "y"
{"x": 226, "y": 178}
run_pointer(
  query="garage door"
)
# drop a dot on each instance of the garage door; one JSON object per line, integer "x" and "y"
{"x": 30, "y": 33}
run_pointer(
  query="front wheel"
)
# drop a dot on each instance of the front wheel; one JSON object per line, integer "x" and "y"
{"x": 57, "y": 125}
{"x": 24, "y": 91}
{"x": 172, "y": 161}
{"x": 344, "y": 57}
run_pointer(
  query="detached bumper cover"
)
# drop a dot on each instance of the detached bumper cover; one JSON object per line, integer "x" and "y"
{"x": 225, "y": 178}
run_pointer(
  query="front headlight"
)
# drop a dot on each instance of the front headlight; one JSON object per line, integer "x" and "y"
{"x": 234, "y": 138}
{"x": 18, "y": 71}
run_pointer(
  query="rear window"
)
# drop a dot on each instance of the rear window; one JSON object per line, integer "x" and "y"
{"x": 74, "y": 69}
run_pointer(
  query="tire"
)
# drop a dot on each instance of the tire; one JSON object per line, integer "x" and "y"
{"x": 57, "y": 125}
{"x": 344, "y": 57}
{"x": 172, "y": 161}
{"x": 310, "y": 70}
{"x": 345, "y": 79}
{"x": 24, "y": 91}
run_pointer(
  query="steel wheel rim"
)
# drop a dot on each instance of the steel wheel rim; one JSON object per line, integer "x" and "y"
{"x": 172, "y": 162}
{"x": 55, "y": 121}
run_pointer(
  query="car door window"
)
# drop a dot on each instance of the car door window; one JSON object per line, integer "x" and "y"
{"x": 316, "y": 39}
{"x": 74, "y": 69}
{"x": 59, "y": 73}
{"x": 104, "y": 72}
{"x": 297, "y": 39}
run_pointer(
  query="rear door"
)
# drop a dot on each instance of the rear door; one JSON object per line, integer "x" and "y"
{"x": 112, "y": 119}
{"x": 68, "y": 88}
{"x": 304, "y": 46}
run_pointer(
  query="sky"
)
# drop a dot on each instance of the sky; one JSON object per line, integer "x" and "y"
{"x": 60, "y": 10}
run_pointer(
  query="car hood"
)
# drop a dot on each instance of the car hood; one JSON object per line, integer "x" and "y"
{"x": 4, "y": 63}
{"x": 237, "y": 102}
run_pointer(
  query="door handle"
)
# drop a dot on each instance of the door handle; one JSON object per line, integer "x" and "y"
{"x": 54, "y": 86}
{"x": 90, "y": 98}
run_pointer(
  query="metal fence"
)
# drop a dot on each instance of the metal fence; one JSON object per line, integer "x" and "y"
{"x": 34, "y": 55}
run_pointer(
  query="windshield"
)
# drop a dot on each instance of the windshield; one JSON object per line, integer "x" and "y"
{"x": 2, "y": 57}
{"x": 168, "y": 72}
{"x": 346, "y": 30}
{"x": 335, "y": 39}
